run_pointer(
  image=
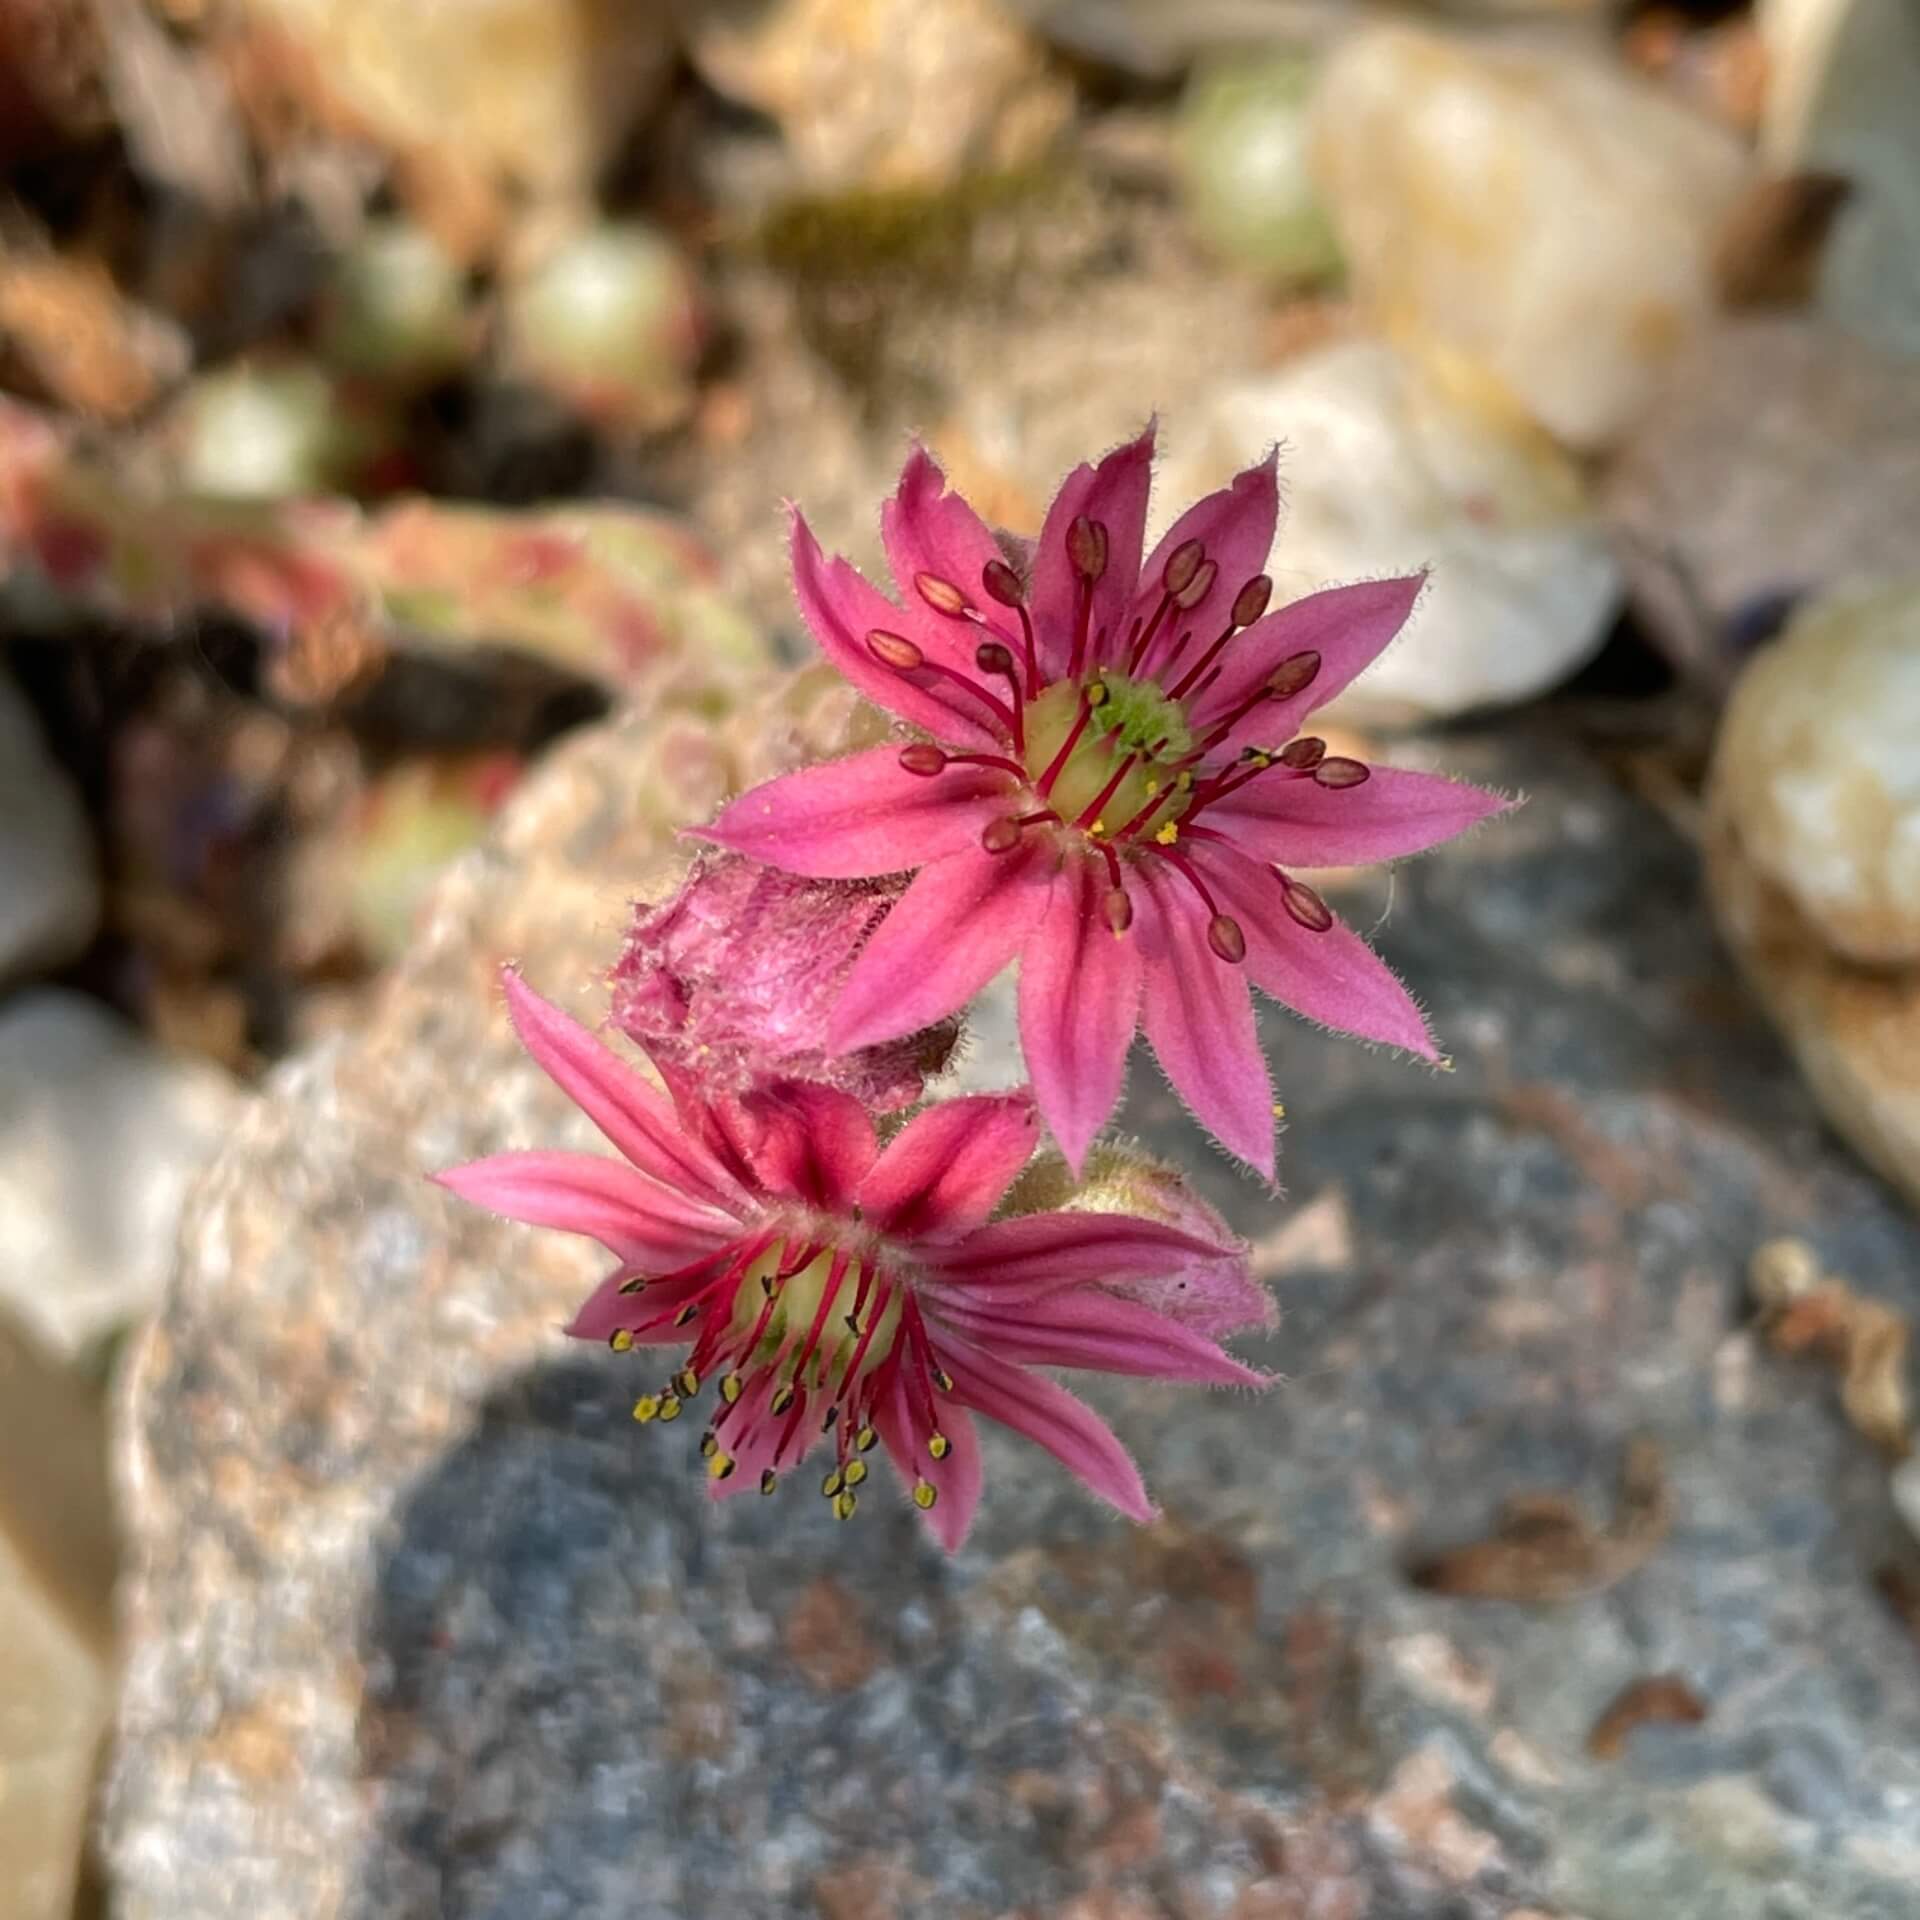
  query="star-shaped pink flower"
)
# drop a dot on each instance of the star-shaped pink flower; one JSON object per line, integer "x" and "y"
{"x": 841, "y": 1293}
{"x": 1113, "y": 786}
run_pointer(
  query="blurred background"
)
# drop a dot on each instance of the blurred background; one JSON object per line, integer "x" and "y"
{"x": 397, "y": 400}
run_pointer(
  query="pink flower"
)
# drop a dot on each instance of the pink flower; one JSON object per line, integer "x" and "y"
{"x": 835, "y": 1290}
{"x": 1112, "y": 787}
{"x": 733, "y": 977}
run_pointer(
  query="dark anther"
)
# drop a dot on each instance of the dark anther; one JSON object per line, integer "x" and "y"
{"x": 1251, "y": 601}
{"x": 1198, "y": 587}
{"x": 923, "y": 759}
{"x": 1183, "y": 565}
{"x": 894, "y": 650}
{"x": 1002, "y": 835}
{"x": 1226, "y": 939}
{"x": 1339, "y": 772}
{"x": 941, "y": 595}
{"x": 1304, "y": 754}
{"x": 1087, "y": 547}
{"x": 1002, "y": 584}
{"x": 1119, "y": 909}
{"x": 1291, "y": 676}
{"x": 991, "y": 657}
{"x": 1305, "y": 905}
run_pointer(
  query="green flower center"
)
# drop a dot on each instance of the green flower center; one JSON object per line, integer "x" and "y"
{"x": 1132, "y": 725}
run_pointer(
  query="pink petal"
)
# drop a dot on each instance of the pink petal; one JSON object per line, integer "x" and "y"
{"x": 644, "y": 1223}
{"x": 1296, "y": 822}
{"x": 1334, "y": 977}
{"x": 1079, "y": 1001}
{"x": 1052, "y": 1418}
{"x": 815, "y": 1143}
{"x": 1236, "y": 527}
{"x": 1214, "y": 1297}
{"x": 1038, "y": 1253}
{"x": 956, "y": 1479}
{"x": 865, "y": 815}
{"x": 962, "y": 919}
{"x": 927, "y": 529}
{"x": 1348, "y": 627}
{"x": 946, "y": 1169}
{"x": 1094, "y": 1330}
{"x": 842, "y": 609}
{"x": 1115, "y": 494}
{"x": 607, "y": 1310}
{"x": 613, "y": 1096}
{"x": 1198, "y": 1016}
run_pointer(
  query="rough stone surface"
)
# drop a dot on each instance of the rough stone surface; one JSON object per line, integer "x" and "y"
{"x": 1781, "y": 458}
{"x": 420, "y": 1624}
{"x": 49, "y": 887}
{"x": 100, "y": 1132}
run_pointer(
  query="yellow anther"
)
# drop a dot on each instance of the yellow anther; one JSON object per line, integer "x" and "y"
{"x": 638, "y": 1284}
{"x": 709, "y": 1444}
{"x": 844, "y": 1504}
{"x": 943, "y": 1380}
{"x": 686, "y": 1383}
{"x": 1279, "y": 1110}
{"x": 622, "y": 1340}
{"x": 854, "y": 1472}
{"x": 781, "y": 1401}
{"x": 833, "y": 1483}
{"x": 646, "y": 1408}
{"x": 1097, "y": 694}
{"x": 1099, "y": 826}
{"x": 720, "y": 1466}
{"x": 730, "y": 1387}
{"x": 685, "y": 1314}
{"x": 1184, "y": 780}
{"x": 768, "y": 1479}
{"x": 1169, "y": 833}
{"x": 669, "y": 1406}
{"x": 938, "y": 1445}
{"x": 924, "y": 1494}
{"x": 865, "y": 1439}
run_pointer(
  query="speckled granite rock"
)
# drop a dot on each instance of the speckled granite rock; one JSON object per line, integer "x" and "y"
{"x": 420, "y": 1624}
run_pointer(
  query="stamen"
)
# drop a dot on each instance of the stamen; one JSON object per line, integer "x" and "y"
{"x": 1304, "y": 754}
{"x": 854, "y": 1472}
{"x": 991, "y": 657}
{"x": 938, "y": 1445}
{"x": 924, "y": 1494}
{"x": 1197, "y": 588}
{"x": 1060, "y": 759}
{"x": 1226, "y": 939}
{"x": 1000, "y": 836}
{"x": 1119, "y": 909}
{"x": 844, "y": 1505}
{"x": 1339, "y": 772}
{"x": 1087, "y": 548}
{"x": 646, "y": 1408}
{"x": 1182, "y": 566}
{"x": 1305, "y": 905}
{"x": 865, "y": 1439}
{"x": 941, "y": 595}
{"x": 923, "y": 759}
{"x": 1003, "y": 584}
{"x": 686, "y": 1383}
{"x": 1293, "y": 675}
{"x": 768, "y": 1480}
{"x": 621, "y": 1340}
{"x": 895, "y": 650}
{"x": 1251, "y": 601}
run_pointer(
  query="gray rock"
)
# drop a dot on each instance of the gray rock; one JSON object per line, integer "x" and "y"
{"x": 49, "y": 888}
{"x": 100, "y": 1133}
{"x": 420, "y": 1623}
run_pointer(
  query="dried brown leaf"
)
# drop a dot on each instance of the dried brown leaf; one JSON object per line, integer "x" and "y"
{"x": 1662, "y": 1698}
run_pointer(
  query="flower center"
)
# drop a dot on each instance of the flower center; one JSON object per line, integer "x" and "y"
{"x": 806, "y": 1336}
{"x": 1120, "y": 757}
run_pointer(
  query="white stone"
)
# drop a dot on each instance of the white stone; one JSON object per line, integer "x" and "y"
{"x": 100, "y": 1132}
{"x": 1817, "y": 770}
{"x": 1383, "y": 472}
{"x": 1543, "y": 216}
{"x": 1844, "y": 97}
{"x": 49, "y": 887}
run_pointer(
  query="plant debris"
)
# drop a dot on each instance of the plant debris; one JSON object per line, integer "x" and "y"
{"x": 1661, "y": 1698}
